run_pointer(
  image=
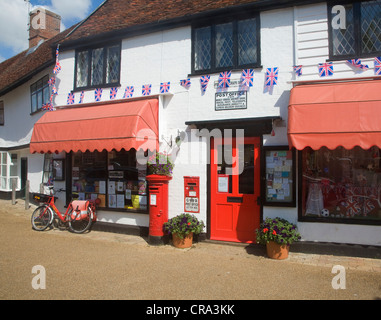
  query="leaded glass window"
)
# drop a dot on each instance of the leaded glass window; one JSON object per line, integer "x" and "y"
{"x": 361, "y": 34}
{"x": 98, "y": 67}
{"x": 231, "y": 44}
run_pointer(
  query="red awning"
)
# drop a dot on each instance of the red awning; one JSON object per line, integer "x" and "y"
{"x": 344, "y": 114}
{"x": 116, "y": 126}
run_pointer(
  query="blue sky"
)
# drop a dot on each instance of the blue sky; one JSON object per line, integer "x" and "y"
{"x": 14, "y": 20}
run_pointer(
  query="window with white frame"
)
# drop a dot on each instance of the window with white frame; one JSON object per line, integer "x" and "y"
{"x": 4, "y": 171}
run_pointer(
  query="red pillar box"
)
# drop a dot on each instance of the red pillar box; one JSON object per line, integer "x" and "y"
{"x": 158, "y": 207}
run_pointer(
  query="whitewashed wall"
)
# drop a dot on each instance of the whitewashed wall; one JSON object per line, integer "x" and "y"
{"x": 288, "y": 36}
{"x": 18, "y": 128}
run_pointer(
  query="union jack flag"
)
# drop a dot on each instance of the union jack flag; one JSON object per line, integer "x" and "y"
{"x": 57, "y": 67}
{"x": 271, "y": 77}
{"x": 368, "y": 207}
{"x": 298, "y": 70}
{"x": 146, "y": 90}
{"x": 186, "y": 83}
{"x": 357, "y": 63}
{"x": 98, "y": 94}
{"x": 113, "y": 92}
{"x": 70, "y": 98}
{"x": 129, "y": 92}
{"x": 247, "y": 77}
{"x": 352, "y": 207}
{"x": 52, "y": 84}
{"x": 377, "y": 66}
{"x": 204, "y": 82}
{"x": 82, "y": 96}
{"x": 164, "y": 87}
{"x": 325, "y": 69}
{"x": 48, "y": 106}
{"x": 50, "y": 181}
{"x": 224, "y": 79}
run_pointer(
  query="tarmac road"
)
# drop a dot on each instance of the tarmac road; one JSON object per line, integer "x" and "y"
{"x": 101, "y": 265}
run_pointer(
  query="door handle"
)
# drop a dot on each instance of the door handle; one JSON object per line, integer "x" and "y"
{"x": 259, "y": 201}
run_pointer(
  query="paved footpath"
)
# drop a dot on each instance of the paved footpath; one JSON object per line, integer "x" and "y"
{"x": 100, "y": 265}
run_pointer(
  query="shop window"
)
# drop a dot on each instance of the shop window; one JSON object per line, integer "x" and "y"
{"x": 114, "y": 177}
{"x": 341, "y": 185}
{"x": 98, "y": 67}
{"x": 231, "y": 44}
{"x": 40, "y": 94}
{"x": 358, "y": 35}
{"x": 47, "y": 176}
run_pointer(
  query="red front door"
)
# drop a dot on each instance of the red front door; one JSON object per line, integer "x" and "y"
{"x": 235, "y": 188}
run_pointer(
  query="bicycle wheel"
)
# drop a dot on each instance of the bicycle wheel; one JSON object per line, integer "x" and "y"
{"x": 41, "y": 218}
{"x": 79, "y": 222}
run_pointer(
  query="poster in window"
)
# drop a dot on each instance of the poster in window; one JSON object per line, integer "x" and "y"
{"x": 279, "y": 189}
{"x": 58, "y": 170}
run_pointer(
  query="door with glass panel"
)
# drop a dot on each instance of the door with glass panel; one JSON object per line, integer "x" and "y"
{"x": 235, "y": 189}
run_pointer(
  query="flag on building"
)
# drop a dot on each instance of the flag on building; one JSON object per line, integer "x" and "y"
{"x": 57, "y": 67}
{"x": 81, "y": 97}
{"x": 48, "y": 106}
{"x": 271, "y": 78}
{"x": 204, "y": 80}
{"x": 325, "y": 69}
{"x": 186, "y": 83}
{"x": 357, "y": 63}
{"x": 224, "y": 79}
{"x": 98, "y": 94}
{"x": 113, "y": 92}
{"x": 129, "y": 92}
{"x": 298, "y": 70}
{"x": 377, "y": 66}
{"x": 146, "y": 89}
{"x": 165, "y": 87}
{"x": 70, "y": 98}
{"x": 247, "y": 77}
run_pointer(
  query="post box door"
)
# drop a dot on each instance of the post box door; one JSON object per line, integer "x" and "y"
{"x": 192, "y": 194}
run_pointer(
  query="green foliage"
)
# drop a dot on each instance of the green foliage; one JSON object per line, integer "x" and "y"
{"x": 183, "y": 224}
{"x": 278, "y": 230}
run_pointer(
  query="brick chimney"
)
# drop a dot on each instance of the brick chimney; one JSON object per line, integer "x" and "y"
{"x": 43, "y": 25}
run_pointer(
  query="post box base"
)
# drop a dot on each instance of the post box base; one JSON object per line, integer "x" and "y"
{"x": 158, "y": 240}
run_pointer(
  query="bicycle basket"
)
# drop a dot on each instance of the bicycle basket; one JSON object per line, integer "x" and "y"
{"x": 40, "y": 197}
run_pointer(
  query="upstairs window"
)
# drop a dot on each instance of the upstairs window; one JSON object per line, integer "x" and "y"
{"x": 97, "y": 67}
{"x": 232, "y": 44}
{"x": 2, "y": 118}
{"x": 40, "y": 94}
{"x": 355, "y": 29}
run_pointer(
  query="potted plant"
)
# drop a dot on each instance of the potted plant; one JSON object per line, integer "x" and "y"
{"x": 160, "y": 164}
{"x": 182, "y": 228}
{"x": 277, "y": 234}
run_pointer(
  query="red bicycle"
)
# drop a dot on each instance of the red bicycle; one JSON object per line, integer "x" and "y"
{"x": 78, "y": 217}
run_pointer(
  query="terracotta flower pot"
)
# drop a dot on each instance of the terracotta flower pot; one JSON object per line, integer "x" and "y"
{"x": 277, "y": 251}
{"x": 186, "y": 242}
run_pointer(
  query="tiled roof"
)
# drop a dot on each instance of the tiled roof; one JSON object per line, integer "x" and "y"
{"x": 116, "y": 15}
{"x": 22, "y": 67}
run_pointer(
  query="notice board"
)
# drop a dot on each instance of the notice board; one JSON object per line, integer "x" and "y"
{"x": 279, "y": 177}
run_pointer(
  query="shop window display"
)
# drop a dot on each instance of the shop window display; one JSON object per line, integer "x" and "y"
{"x": 341, "y": 184}
{"x": 114, "y": 177}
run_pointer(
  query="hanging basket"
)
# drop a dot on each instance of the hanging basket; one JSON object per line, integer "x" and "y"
{"x": 277, "y": 251}
{"x": 183, "y": 243}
